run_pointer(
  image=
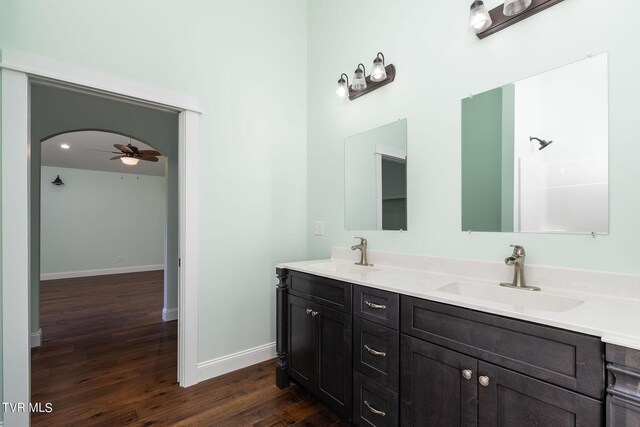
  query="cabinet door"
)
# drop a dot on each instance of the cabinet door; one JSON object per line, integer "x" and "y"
{"x": 433, "y": 388}
{"x": 302, "y": 338}
{"x": 510, "y": 399}
{"x": 334, "y": 375}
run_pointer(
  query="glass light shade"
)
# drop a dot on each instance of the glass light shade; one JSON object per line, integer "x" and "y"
{"x": 378, "y": 73}
{"x": 479, "y": 19}
{"x": 343, "y": 88}
{"x": 359, "y": 83}
{"x": 514, "y": 7}
{"x": 129, "y": 161}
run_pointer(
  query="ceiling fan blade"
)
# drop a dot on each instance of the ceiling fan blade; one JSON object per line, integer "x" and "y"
{"x": 149, "y": 153}
{"x": 123, "y": 148}
{"x": 148, "y": 158}
{"x": 117, "y": 157}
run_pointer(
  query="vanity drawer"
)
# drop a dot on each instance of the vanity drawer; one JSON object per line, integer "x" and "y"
{"x": 376, "y": 306}
{"x": 567, "y": 359}
{"x": 328, "y": 292}
{"x": 373, "y": 404}
{"x": 376, "y": 352}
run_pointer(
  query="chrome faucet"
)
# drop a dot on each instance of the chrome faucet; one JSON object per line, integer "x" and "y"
{"x": 517, "y": 260}
{"x": 363, "y": 252}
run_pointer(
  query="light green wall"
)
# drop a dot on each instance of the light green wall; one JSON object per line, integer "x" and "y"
{"x": 97, "y": 216}
{"x": 439, "y": 63}
{"x": 482, "y": 161}
{"x": 246, "y": 61}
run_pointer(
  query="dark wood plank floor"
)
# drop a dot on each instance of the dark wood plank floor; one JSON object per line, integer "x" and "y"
{"x": 108, "y": 359}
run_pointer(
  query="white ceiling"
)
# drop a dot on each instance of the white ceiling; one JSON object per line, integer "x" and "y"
{"x": 83, "y": 154}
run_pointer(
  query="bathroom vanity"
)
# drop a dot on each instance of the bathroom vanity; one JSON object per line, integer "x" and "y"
{"x": 389, "y": 346}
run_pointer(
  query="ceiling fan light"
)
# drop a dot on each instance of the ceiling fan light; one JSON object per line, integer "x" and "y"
{"x": 129, "y": 161}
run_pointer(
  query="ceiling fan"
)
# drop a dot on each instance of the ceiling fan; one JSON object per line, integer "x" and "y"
{"x": 130, "y": 154}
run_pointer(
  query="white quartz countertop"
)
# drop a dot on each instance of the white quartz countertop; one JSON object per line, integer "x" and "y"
{"x": 614, "y": 318}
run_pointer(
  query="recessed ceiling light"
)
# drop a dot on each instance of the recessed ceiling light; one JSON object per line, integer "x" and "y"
{"x": 65, "y": 146}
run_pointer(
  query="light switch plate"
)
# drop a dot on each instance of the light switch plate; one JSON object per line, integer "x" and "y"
{"x": 318, "y": 228}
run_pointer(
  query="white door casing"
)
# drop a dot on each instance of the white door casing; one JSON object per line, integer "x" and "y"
{"x": 17, "y": 69}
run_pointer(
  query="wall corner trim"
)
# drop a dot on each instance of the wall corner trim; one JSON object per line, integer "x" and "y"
{"x": 232, "y": 362}
{"x": 35, "y": 340}
{"x": 169, "y": 314}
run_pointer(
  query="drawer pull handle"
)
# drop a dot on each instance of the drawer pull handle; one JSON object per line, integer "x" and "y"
{"x": 315, "y": 313}
{"x": 466, "y": 374}
{"x": 309, "y": 311}
{"x": 375, "y": 352}
{"x": 484, "y": 381}
{"x": 376, "y": 306}
{"x": 374, "y": 410}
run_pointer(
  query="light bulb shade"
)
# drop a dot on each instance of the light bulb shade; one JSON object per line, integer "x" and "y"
{"x": 515, "y": 7}
{"x": 343, "y": 87}
{"x": 378, "y": 72}
{"x": 129, "y": 161}
{"x": 479, "y": 18}
{"x": 359, "y": 82}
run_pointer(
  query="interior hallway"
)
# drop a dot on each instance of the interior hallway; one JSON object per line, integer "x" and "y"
{"x": 108, "y": 359}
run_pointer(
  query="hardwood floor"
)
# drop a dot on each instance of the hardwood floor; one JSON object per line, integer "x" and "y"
{"x": 108, "y": 359}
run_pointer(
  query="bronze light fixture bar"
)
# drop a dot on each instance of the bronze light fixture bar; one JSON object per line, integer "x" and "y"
{"x": 378, "y": 80}
{"x": 500, "y": 21}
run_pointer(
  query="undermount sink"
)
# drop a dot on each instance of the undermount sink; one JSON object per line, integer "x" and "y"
{"x": 513, "y": 297}
{"x": 341, "y": 267}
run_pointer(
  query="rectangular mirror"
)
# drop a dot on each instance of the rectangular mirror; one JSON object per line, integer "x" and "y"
{"x": 535, "y": 153}
{"x": 375, "y": 179}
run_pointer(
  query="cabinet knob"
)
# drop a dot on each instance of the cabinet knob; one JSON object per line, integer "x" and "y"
{"x": 309, "y": 311}
{"x": 484, "y": 381}
{"x": 374, "y": 410}
{"x": 466, "y": 374}
{"x": 376, "y": 306}
{"x": 375, "y": 352}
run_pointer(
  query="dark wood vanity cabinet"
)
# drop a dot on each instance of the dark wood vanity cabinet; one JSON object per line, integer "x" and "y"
{"x": 623, "y": 390}
{"x": 463, "y": 367}
{"x": 383, "y": 359}
{"x": 318, "y": 339}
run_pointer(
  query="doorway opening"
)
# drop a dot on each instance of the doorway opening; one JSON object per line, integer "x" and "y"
{"x": 18, "y": 153}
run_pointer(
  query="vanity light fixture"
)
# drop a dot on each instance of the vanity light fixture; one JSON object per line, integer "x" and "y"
{"x": 509, "y": 13}
{"x": 479, "y": 18}
{"x": 378, "y": 73}
{"x": 343, "y": 86}
{"x": 515, "y": 7}
{"x": 359, "y": 82}
{"x": 381, "y": 75}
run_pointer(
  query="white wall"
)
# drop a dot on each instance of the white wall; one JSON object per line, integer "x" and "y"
{"x": 438, "y": 63}
{"x": 564, "y": 187}
{"x": 246, "y": 62}
{"x": 97, "y": 217}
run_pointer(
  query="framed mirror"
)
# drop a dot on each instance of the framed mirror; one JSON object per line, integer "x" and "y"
{"x": 375, "y": 179}
{"x": 535, "y": 153}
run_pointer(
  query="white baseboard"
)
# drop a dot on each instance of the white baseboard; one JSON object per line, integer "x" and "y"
{"x": 225, "y": 364}
{"x": 35, "y": 340}
{"x": 100, "y": 272}
{"x": 169, "y": 314}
